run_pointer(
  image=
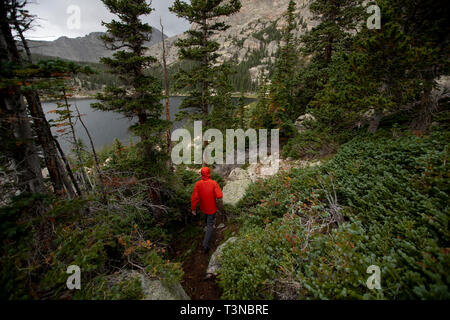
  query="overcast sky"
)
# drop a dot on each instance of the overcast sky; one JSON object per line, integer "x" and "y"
{"x": 55, "y": 20}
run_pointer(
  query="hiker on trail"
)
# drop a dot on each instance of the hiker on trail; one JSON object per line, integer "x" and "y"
{"x": 207, "y": 191}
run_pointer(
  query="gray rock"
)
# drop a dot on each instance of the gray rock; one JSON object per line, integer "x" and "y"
{"x": 235, "y": 190}
{"x": 155, "y": 289}
{"x": 214, "y": 263}
{"x": 238, "y": 174}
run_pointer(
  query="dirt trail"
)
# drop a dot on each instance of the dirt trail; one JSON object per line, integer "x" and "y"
{"x": 194, "y": 266}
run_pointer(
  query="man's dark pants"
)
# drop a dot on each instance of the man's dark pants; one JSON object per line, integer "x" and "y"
{"x": 209, "y": 229}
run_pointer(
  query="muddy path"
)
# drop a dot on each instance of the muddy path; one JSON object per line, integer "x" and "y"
{"x": 188, "y": 250}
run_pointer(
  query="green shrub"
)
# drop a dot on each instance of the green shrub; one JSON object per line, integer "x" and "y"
{"x": 393, "y": 194}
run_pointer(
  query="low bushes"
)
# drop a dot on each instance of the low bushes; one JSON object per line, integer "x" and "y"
{"x": 393, "y": 194}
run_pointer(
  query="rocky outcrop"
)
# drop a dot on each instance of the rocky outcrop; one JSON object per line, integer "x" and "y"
{"x": 255, "y": 17}
{"x": 301, "y": 121}
{"x": 239, "y": 179}
{"x": 214, "y": 263}
{"x": 153, "y": 289}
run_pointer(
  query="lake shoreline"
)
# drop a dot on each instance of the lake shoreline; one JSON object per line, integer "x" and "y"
{"x": 92, "y": 95}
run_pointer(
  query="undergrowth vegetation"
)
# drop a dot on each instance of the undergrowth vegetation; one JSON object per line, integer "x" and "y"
{"x": 392, "y": 190}
{"x": 128, "y": 233}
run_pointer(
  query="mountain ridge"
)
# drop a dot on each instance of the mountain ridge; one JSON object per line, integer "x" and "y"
{"x": 88, "y": 48}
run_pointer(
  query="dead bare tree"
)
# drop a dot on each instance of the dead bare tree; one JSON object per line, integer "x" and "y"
{"x": 334, "y": 207}
{"x": 166, "y": 84}
{"x": 74, "y": 138}
{"x": 97, "y": 162}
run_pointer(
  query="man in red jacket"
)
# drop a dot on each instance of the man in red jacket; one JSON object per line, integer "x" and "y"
{"x": 207, "y": 191}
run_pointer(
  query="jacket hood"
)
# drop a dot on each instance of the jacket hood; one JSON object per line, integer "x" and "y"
{"x": 206, "y": 173}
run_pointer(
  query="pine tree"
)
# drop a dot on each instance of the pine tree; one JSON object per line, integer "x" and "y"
{"x": 139, "y": 94}
{"x": 425, "y": 23}
{"x": 206, "y": 78}
{"x": 241, "y": 111}
{"x": 387, "y": 70}
{"x": 337, "y": 20}
{"x": 282, "y": 85}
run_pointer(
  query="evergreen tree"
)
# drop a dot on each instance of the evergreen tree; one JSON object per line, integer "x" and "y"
{"x": 386, "y": 70}
{"x": 282, "y": 85}
{"x": 241, "y": 111}
{"x": 336, "y": 22}
{"x": 139, "y": 94}
{"x": 222, "y": 115}
{"x": 207, "y": 77}
{"x": 260, "y": 116}
{"x": 425, "y": 23}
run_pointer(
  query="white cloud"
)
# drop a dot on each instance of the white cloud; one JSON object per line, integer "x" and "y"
{"x": 52, "y": 18}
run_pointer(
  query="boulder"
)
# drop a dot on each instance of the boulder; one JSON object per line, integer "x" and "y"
{"x": 214, "y": 263}
{"x": 266, "y": 168}
{"x": 154, "y": 289}
{"x": 224, "y": 169}
{"x": 301, "y": 121}
{"x": 238, "y": 174}
{"x": 235, "y": 190}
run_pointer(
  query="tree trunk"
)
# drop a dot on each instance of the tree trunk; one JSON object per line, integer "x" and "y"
{"x": 423, "y": 120}
{"x": 75, "y": 141}
{"x": 25, "y": 156}
{"x": 24, "y": 41}
{"x": 329, "y": 50}
{"x": 26, "y": 159}
{"x": 204, "y": 87}
{"x": 204, "y": 105}
{"x": 58, "y": 176}
{"x": 55, "y": 168}
{"x": 166, "y": 85}
{"x": 97, "y": 162}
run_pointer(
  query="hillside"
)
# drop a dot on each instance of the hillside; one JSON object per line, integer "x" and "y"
{"x": 332, "y": 183}
{"x": 87, "y": 49}
{"x": 254, "y": 31}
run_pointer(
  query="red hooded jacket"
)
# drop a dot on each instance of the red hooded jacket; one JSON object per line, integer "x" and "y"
{"x": 207, "y": 191}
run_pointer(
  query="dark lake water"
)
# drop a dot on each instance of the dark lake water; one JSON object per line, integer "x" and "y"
{"x": 104, "y": 127}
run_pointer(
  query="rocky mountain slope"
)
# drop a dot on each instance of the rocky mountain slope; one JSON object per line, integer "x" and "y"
{"x": 254, "y": 37}
{"x": 87, "y": 49}
{"x": 254, "y": 33}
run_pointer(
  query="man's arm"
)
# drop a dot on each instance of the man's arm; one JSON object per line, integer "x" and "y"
{"x": 219, "y": 196}
{"x": 194, "y": 199}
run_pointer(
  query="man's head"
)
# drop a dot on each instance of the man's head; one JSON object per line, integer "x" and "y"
{"x": 206, "y": 173}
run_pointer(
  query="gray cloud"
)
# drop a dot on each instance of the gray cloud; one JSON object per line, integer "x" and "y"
{"x": 53, "y": 17}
